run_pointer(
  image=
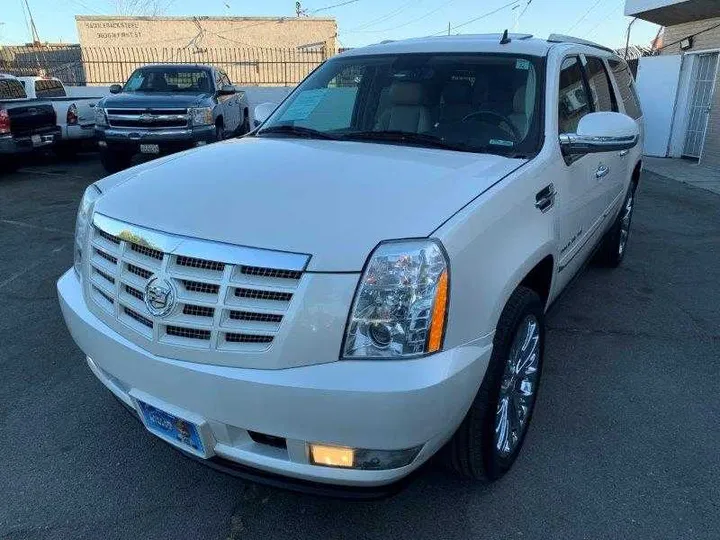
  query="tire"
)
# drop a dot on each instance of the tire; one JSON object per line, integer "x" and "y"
{"x": 9, "y": 164}
{"x": 478, "y": 450}
{"x": 219, "y": 132}
{"x": 614, "y": 245}
{"x": 114, "y": 160}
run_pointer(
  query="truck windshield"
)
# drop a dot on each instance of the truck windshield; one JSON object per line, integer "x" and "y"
{"x": 169, "y": 79}
{"x": 467, "y": 102}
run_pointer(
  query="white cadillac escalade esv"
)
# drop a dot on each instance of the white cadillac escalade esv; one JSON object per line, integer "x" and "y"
{"x": 363, "y": 280}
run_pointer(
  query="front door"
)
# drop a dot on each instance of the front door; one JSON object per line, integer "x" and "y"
{"x": 581, "y": 191}
{"x": 702, "y": 83}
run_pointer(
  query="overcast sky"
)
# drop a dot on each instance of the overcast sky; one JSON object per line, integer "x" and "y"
{"x": 362, "y": 22}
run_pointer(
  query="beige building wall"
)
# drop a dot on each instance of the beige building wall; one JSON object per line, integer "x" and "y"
{"x": 179, "y": 32}
{"x": 709, "y": 40}
{"x": 252, "y": 50}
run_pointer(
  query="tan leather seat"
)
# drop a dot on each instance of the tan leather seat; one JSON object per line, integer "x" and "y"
{"x": 407, "y": 111}
{"x": 519, "y": 116}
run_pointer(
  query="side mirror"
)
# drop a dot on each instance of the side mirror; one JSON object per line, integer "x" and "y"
{"x": 262, "y": 112}
{"x": 115, "y": 88}
{"x": 226, "y": 90}
{"x": 601, "y": 132}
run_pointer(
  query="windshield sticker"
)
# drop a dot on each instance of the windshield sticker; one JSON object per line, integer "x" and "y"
{"x": 522, "y": 64}
{"x": 501, "y": 142}
{"x": 304, "y": 105}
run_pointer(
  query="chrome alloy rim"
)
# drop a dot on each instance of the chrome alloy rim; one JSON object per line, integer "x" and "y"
{"x": 625, "y": 223}
{"x": 518, "y": 387}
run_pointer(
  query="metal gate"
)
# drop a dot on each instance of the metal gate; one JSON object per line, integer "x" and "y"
{"x": 703, "y": 83}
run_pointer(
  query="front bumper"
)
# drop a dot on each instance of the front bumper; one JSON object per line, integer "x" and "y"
{"x": 384, "y": 405}
{"x": 10, "y": 144}
{"x": 174, "y": 137}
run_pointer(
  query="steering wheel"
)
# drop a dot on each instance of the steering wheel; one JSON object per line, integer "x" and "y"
{"x": 503, "y": 120}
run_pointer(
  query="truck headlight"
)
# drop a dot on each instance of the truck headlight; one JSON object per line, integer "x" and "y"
{"x": 401, "y": 302}
{"x": 100, "y": 117}
{"x": 202, "y": 116}
{"x": 82, "y": 224}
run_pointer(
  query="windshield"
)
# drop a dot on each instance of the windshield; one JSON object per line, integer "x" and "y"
{"x": 169, "y": 79}
{"x": 466, "y": 102}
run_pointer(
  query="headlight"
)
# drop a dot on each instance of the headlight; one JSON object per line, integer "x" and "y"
{"x": 401, "y": 302}
{"x": 202, "y": 116}
{"x": 100, "y": 117}
{"x": 82, "y": 223}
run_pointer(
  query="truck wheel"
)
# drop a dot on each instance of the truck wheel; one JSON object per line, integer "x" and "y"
{"x": 9, "y": 164}
{"x": 490, "y": 437}
{"x": 219, "y": 132}
{"x": 114, "y": 160}
{"x": 614, "y": 245}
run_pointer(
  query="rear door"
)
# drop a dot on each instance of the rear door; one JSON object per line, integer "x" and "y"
{"x": 611, "y": 172}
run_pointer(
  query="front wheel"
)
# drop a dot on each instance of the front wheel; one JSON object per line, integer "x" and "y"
{"x": 614, "y": 245}
{"x": 490, "y": 437}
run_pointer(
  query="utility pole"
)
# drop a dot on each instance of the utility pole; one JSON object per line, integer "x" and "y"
{"x": 448, "y": 28}
{"x": 33, "y": 28}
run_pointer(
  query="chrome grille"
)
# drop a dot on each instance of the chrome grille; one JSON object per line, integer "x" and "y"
{"x": 219, "y": 305}
{"x": 148, "y": 118}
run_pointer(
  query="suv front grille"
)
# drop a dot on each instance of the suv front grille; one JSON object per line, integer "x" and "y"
{"x": 218, "y": 305}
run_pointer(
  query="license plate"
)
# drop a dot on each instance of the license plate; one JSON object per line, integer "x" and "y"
{"x": 171, "y": 427}
{"x": 36, "y": 140}
{"x": 150, "y": 148}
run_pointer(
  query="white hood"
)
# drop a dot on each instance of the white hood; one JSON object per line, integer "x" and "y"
{"x": 333, "y": 200}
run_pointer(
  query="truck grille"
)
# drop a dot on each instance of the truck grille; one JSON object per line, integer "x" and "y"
{"x": 221, "y": 305}
{"x": 148, "y": 118}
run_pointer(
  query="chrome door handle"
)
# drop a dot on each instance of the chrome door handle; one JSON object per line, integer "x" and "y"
{"x": 602, "y": 171}
{"x": 624, "y": 153}
{"x": 545, "y": 198}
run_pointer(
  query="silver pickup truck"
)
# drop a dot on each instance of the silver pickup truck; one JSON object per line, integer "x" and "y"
{"x": 166, "y": 108}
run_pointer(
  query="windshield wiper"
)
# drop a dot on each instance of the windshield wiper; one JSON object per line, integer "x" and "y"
{"x": 420, "y": 139}
{"x": 298, "y": 131}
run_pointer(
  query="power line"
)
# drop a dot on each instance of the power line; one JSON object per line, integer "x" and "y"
{"x": 411, "y": 21}
{"x": 384, "y": 17}
{"x": 581, "y": 19}
{"x": 483, "y": 16}
{"x": 333, "y": 6}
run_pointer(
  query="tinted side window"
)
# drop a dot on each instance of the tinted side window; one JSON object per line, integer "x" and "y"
{"x": 625, "y": 83}
{"x": 600, "y": 87}
{"x": 573, "y": 103}
{"x": 11, "y": 89}
{"x": 47, "y": 88}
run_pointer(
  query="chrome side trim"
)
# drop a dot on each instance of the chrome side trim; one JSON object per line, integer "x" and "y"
{"x": 202, "y": 249}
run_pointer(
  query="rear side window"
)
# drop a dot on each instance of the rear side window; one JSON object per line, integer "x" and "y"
{"x": 626, "y": 86}
{"x": 600, "y": 88}
{"x": 47, "y": 88}
{"x": 573, "y": 103}
{"x": 11, "y": 89}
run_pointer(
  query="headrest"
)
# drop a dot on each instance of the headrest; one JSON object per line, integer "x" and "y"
{"x": 406, "y": 93}
{"x": 519, "y": 100}
{"x": 457, "y": 92}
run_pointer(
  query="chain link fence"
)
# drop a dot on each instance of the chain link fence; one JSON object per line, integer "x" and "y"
{"x": 77, "y": 65}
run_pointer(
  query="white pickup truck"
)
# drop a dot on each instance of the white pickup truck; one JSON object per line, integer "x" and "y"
{"x": 75, "y": 115}
{"x": 363, "y": 280}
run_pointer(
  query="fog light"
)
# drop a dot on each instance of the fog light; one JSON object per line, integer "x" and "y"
{"x": 361, "y": 458}
{"x": 332, "y": 456}
{"x": 200, "y": 143}
{"x": 102, "y": 144}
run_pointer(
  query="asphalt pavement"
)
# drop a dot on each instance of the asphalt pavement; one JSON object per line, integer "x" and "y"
{"x": 624, "y": 442}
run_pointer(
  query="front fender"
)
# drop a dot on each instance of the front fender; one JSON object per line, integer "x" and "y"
{"x": 493, "y": 244}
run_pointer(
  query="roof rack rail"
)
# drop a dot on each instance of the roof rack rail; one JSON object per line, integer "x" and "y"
{"x": 560, "y": 38}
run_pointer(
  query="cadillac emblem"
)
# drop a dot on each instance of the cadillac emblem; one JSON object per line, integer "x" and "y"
{"x": 159, "y": 296}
